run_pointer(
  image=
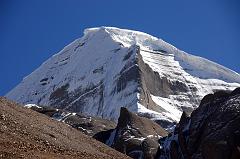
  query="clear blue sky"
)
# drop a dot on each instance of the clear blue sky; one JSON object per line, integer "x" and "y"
{"x": 33, "y": 30}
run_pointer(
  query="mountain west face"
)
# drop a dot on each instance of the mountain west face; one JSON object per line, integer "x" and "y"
{"x": 109, "y": 68}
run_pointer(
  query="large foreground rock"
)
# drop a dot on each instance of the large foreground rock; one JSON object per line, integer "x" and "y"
{"x": 135, "y": 136}
{"x": 212, "y": 131}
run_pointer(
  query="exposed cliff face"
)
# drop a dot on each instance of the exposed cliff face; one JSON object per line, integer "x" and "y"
{"x": 211, "y": 132}
{"x": 110, "y": 68}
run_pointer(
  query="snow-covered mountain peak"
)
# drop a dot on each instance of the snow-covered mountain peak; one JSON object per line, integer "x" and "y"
{"x": 156, "y": 45}
{"x": 131, "y": 37}
{"x": 109, "y": 68}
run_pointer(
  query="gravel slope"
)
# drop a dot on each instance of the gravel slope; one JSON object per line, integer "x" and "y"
{"x": 28, "y": 134}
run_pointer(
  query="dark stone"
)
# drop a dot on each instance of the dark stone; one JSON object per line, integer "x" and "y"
{"x": 135, "y": 136}
{"x": 60, "y": 92}
{"x": 103, "y": 136}
{"x": 44, "y": 80}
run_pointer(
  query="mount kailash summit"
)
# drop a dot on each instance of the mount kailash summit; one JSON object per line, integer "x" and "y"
{"x": 109, "y": 68}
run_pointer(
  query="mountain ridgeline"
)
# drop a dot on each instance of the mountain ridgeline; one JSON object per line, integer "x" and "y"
{"x": 109, "y": 68}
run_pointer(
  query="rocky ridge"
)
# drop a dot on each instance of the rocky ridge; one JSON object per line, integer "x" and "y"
{"x": 89, "y": 125}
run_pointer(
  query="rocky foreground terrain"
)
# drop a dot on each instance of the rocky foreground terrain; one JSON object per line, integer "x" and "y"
{"x": 25, "y": 133}
{"x": 133, "y": 135}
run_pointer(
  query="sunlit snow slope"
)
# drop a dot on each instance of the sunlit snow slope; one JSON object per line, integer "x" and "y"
{"x": 109, "y": 68}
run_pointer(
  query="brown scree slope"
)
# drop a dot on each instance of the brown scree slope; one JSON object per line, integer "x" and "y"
{"x": 25, "y": 133}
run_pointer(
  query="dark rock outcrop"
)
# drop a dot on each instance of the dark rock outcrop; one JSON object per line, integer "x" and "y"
{"x": 135, "y": 136}
{"x": 212, "y": 131}
{"x": 87, "y": 124}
